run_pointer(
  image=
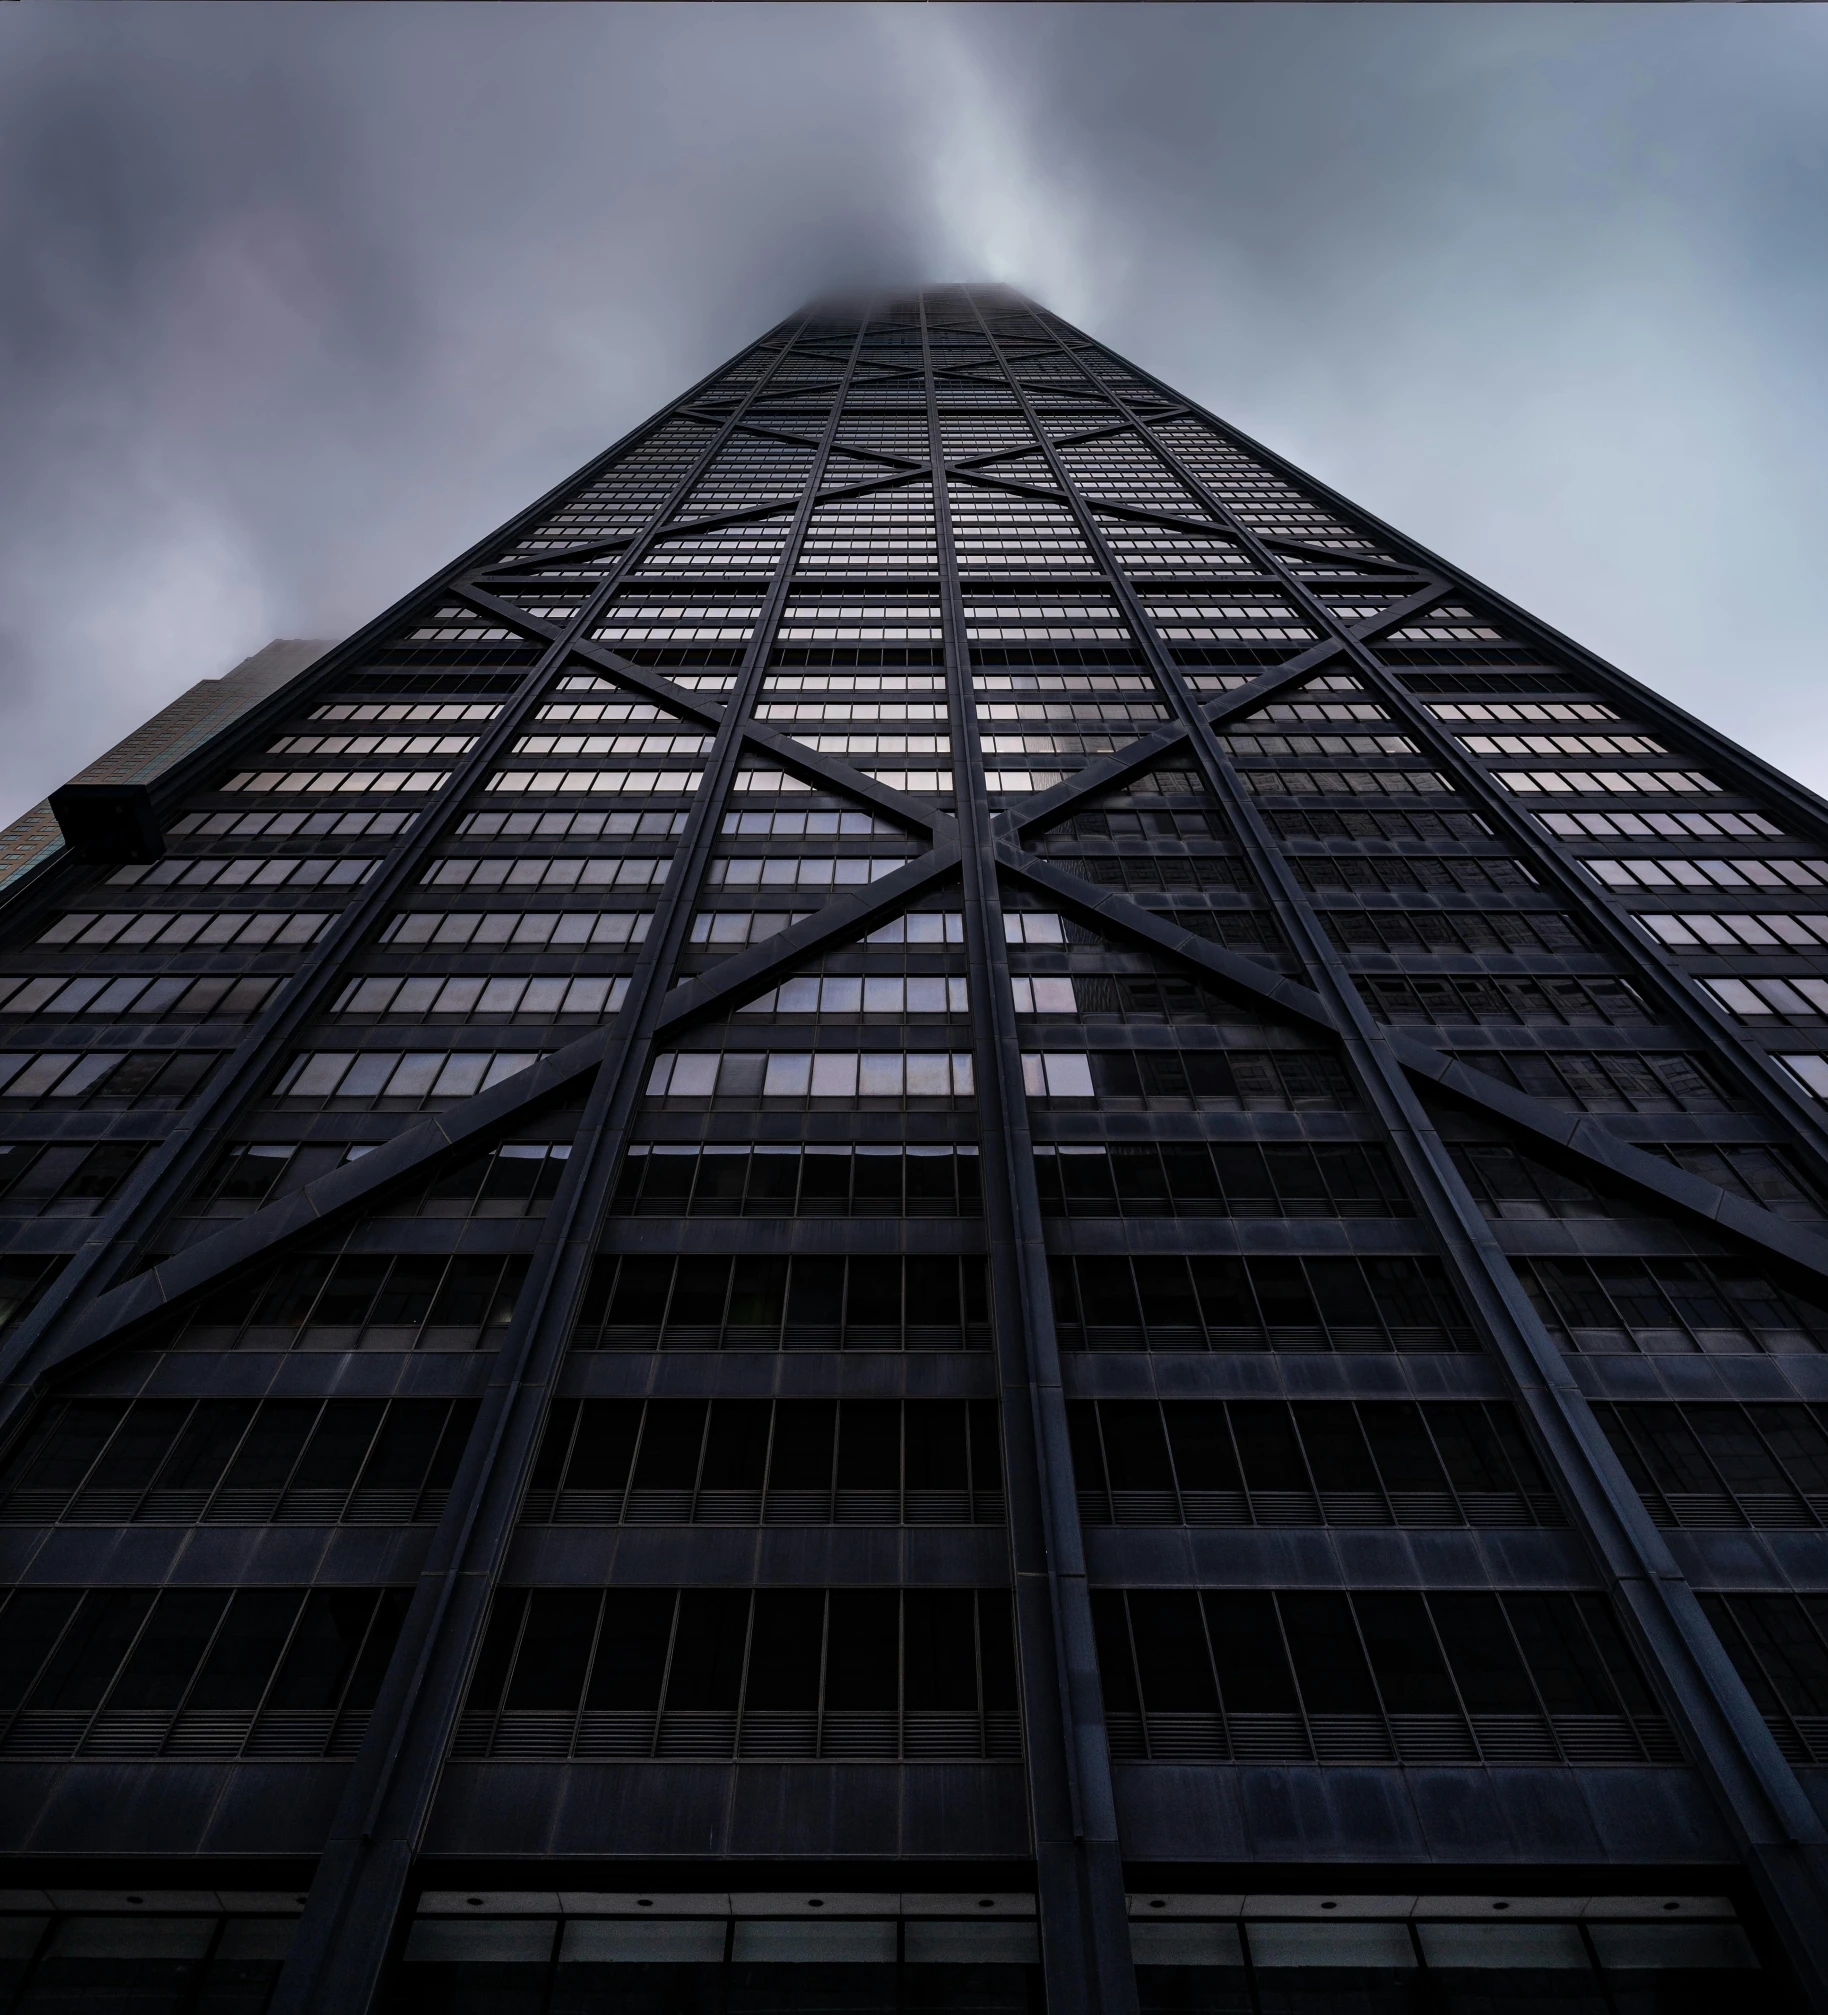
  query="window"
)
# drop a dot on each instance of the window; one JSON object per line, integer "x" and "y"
{"x": 1660, "y": 825}
{"x": 373, "y": 745}
{"x": 1562, "y": 745}
{"x": 22, "y": 1281}
{"x": 139, "y": 994}
{"x": 610, "y": 710}
{"x": 130, "y": 929}
{"x": 194, "y": 1672}
{"x": 1607, "y": 783}
{"x": 921, "y": 927}
{"x": 277, "y": 825}
{"x": 1139, "y": 714}
{"x": 875, "y": 993}
{"x": 1510, "y": 1184}
{"x": 741, "y": 927}
{"x": 805, "y": 825}
{"x": 105, "y": 1077}
{"x": 1497, "y": 997}
{"x": 435, "y": 711}
{"x": 562, "y": 872}
{"x": 820, "y": 873}
{"x": 1671, "y": 1306}
{"x": 482, "y": 929}
{"x": 1794, "y": 999}
{"x": 935, "y": 1964}
{"x": 1234, "y": 1080}
{"x": 1433, "y": 932}
{"x": 236, "y": 1462}
{"x": 1168, "y": 997}
{"x": 571, "y": 825}
{"x": 1161, "y": 871}
{"x": 1341, "y": 783}
{"x": 783, "y": 1462}
{"x": 1762, "y": 1175}
{"x": 792, "y": 1181}
{"x": 1350, "y": 746}
{"x": 1041, "y": 996}
{"x": 1212, "y": 1303}
{"x": 1288, "y": 1676}
{"x": 411, "y": 1075}
{"x": 879, "y": 745}
{"x": 244, "y": 1174}
{"x": 760, "y": 1302}
{"x": 1429, "y": 827}
{"x": 784, "y": 1074}
{"x": 67, "y": 1181}
{"x": 371, "y": 1301}
{"x": 427, "y": 994}
{"x": 1536, "y": 710}
{"x": 269, "y": 871}
{"x": 694, "y": 744}
{"x": 821, "y": 683}
{"x": 1607, "y": 1080}
{"x": 1724, "y": 1465}
{"x": 775, "y": 782}
{"x": 615, "y": 782}
{"x": 1055, "y": 745}
{"x": 198, "y": 1959}
{"x": 1313, "y": 1961}
{"x": 266, "y": 782}
{"x": 1175, "y": 826}
{"x": 1220, "y": 1179}
{"x": 1810, "y": 1071}
{"x": 445, "y": 681}
{"x": 1780, "y": 1645}
{"x": 1023, "y": 780}
{"x": 1321, "y": 710}
{"x": 1772, "y": 933}
{"x": 1685, "y": 873}
{"x": 1471, "y": 874}
{"x": 1267, "y": 1463}
{"x": 517, "y": 1179}
{"x": 777, "y": 1673}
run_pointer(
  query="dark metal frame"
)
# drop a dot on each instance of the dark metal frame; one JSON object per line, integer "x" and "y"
{"x": 352, "y": 1915}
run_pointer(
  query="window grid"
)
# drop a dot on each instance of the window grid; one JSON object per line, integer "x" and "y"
{"x": 718, "y": 1673}
{"x": 768, "y": 1462}
{"x": 1272, "y": 1464}
{"x": 1291, "y": 1676}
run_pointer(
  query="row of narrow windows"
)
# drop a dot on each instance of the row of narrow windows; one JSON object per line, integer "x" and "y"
{"x": 941, "y": 1301}
{"x": 817, "y": 1461}
{"x": 726, "y": 1672}
{"x": 1372, "y": 1677}
{"x": 1189, "y": 1965}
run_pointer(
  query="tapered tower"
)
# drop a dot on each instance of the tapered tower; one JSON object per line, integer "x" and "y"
{"x": 944, "y": 1204}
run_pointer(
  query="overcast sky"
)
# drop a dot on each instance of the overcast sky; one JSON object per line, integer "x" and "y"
{"x": 299, "y": 301}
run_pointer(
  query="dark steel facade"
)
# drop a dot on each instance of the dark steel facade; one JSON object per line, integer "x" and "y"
{"x": 947, "y": 1150}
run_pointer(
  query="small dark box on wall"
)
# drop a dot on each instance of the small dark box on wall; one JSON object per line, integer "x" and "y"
{"x": 109, "y": 822}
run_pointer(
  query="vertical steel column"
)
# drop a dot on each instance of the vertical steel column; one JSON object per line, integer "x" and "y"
{"x": 352, "y": 1912}
{"x": 1784, "y": 1840}
{"x": 165, "y": 1174}
{"x": 1085, "y": 1937}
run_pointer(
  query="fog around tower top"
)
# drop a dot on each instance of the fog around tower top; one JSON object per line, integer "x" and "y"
{"x": 302, "y": 301}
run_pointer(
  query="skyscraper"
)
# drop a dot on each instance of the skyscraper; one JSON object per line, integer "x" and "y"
{"x": 946, "y": 1203}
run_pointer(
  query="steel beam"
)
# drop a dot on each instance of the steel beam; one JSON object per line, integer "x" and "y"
{"x": 1085, "y": 1944}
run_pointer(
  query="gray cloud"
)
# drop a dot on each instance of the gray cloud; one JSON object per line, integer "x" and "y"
{"x": 300, "y": 301}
